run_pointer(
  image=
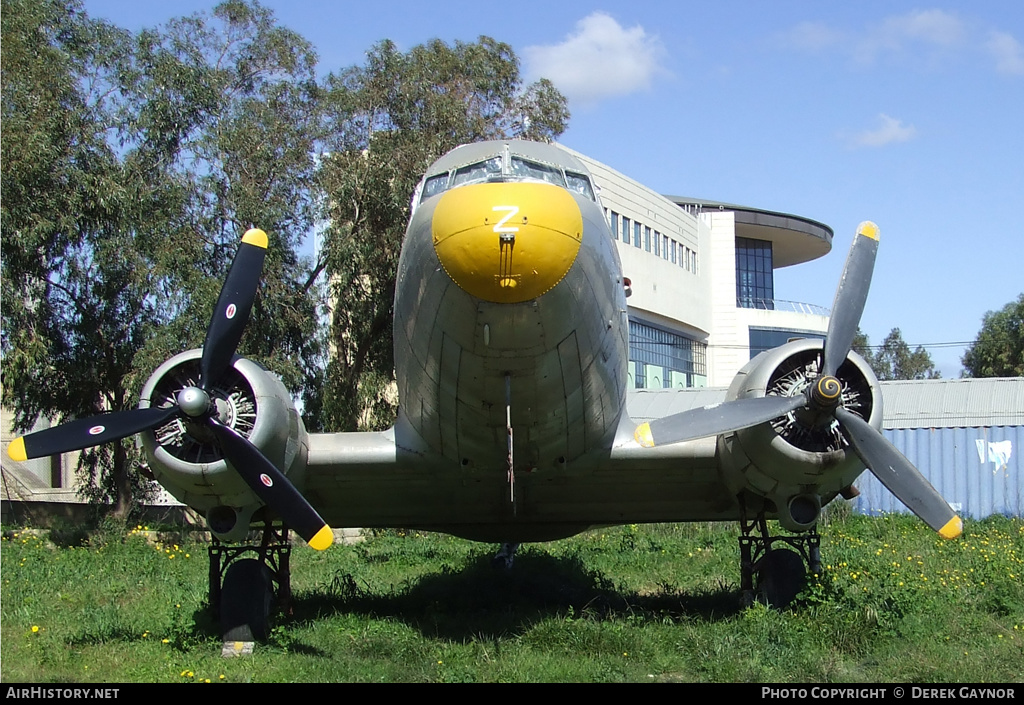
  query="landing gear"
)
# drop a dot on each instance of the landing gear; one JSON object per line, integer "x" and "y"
{"x": 781, "y": 572}
{"x": 505, "y": 555}
{"x": 242, "y": 587}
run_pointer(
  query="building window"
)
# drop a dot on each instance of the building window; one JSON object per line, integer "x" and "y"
{"x": 625, "y": 229}
{"x": 678, "y": 361}
{"x": 647, "y": 239}
{"x": 664, "y": 245}
{"x": 762, "y": 339}
{"x": 673, "y": 252}
{"x": 636, "y": 234}
{"x": 755, "y": 286}
{"x": 615, "y": 225}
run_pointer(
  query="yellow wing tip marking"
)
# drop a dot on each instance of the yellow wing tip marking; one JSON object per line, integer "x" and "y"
{"x": 953, "y": 528}
{"x": 643, "y": 436}
{"x": 16, "y": 449}
{"x": 257, "y": 237}
{"x": 868, "y": 229}
{"x": 323, "y": 539}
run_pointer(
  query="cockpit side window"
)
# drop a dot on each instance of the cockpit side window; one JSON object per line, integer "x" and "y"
{"x": 580, "y": 184}
{"x": 532, "y": 170}
{"x": 481, "y": 171}
{"x": 434, "y": 185}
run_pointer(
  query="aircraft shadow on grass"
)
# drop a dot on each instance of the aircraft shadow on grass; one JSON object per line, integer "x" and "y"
{"x": 477, "y": 601}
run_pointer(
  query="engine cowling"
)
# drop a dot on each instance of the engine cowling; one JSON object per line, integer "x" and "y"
{"x": 185, "y": 459}
{"x": 800, "y": 462}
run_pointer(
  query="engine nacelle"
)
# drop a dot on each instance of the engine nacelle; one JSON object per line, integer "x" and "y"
{"x": 796, "y": 464}
{"x": 184, "y": 458}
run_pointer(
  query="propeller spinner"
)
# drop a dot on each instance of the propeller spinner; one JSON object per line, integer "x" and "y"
{"x": 193, "y": 403}
{"x": 824, "y": 398}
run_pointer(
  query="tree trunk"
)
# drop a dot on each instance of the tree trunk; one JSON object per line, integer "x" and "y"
{"x": 122, "y": 483}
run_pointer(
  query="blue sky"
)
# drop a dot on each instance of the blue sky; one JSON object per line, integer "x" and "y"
{"x": 911, "y": 115}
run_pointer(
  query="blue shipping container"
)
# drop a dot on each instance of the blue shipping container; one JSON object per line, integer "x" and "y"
{"x": 978, "y": 470}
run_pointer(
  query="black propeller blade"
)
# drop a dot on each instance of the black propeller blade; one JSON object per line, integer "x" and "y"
{"x": 86, "y": 433}
{"x": 851, "y": 294}
{"x": 222, "y": 336}
{"x": 715, "y": 420}
{"x": 273, "y": 487}
{"x": 233, "y": 307}
{"x": 825, "y": 396}
{"x": 898, "y": 475}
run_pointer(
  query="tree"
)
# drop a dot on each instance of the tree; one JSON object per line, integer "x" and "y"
{"x": 389, "y": 120}
{"x": 893, "y": 359}
{"x": 239, "y": 98}
{"x": 862, "y": 346}
{"x": 132, "y": 164}
{"x": 71, "y": 283}
{"x": 998, "y": 351}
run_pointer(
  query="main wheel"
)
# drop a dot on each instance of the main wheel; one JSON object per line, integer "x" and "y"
{"x": 781, "y": 577}
{"x": 245, "y": 601}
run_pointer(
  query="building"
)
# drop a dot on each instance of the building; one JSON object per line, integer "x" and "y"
{"x": 704, "y": 303}
{"x": 702, "y": 278}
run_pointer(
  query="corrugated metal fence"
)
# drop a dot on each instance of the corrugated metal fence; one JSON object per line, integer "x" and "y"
{"x": 978, "y": 470}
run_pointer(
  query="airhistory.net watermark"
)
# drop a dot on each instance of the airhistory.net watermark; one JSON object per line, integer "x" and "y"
{"x": 47, "y": 693}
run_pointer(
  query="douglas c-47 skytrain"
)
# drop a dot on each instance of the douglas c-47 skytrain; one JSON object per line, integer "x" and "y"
{"x": 511, "y": 345}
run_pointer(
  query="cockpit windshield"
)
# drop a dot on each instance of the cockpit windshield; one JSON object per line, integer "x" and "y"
{"x": 496, "y": 168}
{"x": 525, "y": 169}
{"x": 481, "y": 171}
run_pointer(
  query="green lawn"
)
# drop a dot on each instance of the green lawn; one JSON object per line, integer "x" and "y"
{"x": 635, "y": 603}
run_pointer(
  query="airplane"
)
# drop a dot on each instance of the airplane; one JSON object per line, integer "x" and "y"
{"x": 511, "y": 347}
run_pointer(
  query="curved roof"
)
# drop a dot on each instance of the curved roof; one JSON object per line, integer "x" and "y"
{"x": 794, "y": 239}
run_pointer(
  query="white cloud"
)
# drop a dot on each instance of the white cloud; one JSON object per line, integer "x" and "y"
{"x": 889, "y": 131}
{"x": 600, "y": 59}
{"x": 1008, "y": 52}
{"x": 914, "y": 31}
{"x": 812, "y": 36}
{"x": 921, "y": 31}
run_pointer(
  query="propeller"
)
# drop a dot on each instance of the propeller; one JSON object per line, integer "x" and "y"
{"x": 194, "y": 405}
{"x": 823, "y": 399}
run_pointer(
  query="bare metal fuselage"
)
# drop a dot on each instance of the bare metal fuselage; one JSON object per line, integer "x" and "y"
{"x": 551, "y": 368}
{"x": 534, "y": 351}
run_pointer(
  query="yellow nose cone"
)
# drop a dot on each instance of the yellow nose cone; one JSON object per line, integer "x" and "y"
{"x": 507, "y": 242}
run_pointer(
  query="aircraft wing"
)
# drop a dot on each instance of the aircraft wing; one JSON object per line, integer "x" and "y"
{"x": 391, "y": 479}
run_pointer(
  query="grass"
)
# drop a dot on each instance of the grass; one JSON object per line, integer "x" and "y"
{"x": 633, "y": 603}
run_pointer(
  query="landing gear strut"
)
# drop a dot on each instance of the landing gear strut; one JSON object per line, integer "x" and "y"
{"x": 242, "y": 586}
{"x": 781, "y": 572}
{"x": 505, "y": 555}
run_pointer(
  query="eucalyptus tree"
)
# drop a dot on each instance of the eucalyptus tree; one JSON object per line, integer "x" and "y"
{"x": 998, "y": 351}
{"x": 132, "y": 164}
{"x": 894, "y": 359}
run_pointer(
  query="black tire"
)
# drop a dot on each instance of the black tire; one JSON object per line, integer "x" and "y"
{"x": 781, "y": 577}
{"x": 245, "y": 601}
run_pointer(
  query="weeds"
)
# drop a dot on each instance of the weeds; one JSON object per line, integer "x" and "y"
{"x": 634, "y": 603}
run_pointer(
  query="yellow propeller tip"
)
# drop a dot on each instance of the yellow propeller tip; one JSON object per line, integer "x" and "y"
{"x": 323, "y": 539}
{"x": 953, "y": 528}
{"x": 643, "y": 436}
{"x": 257, "y": 237}
{"x": 868, "y": 229}
{"x": 16, "y": 449}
